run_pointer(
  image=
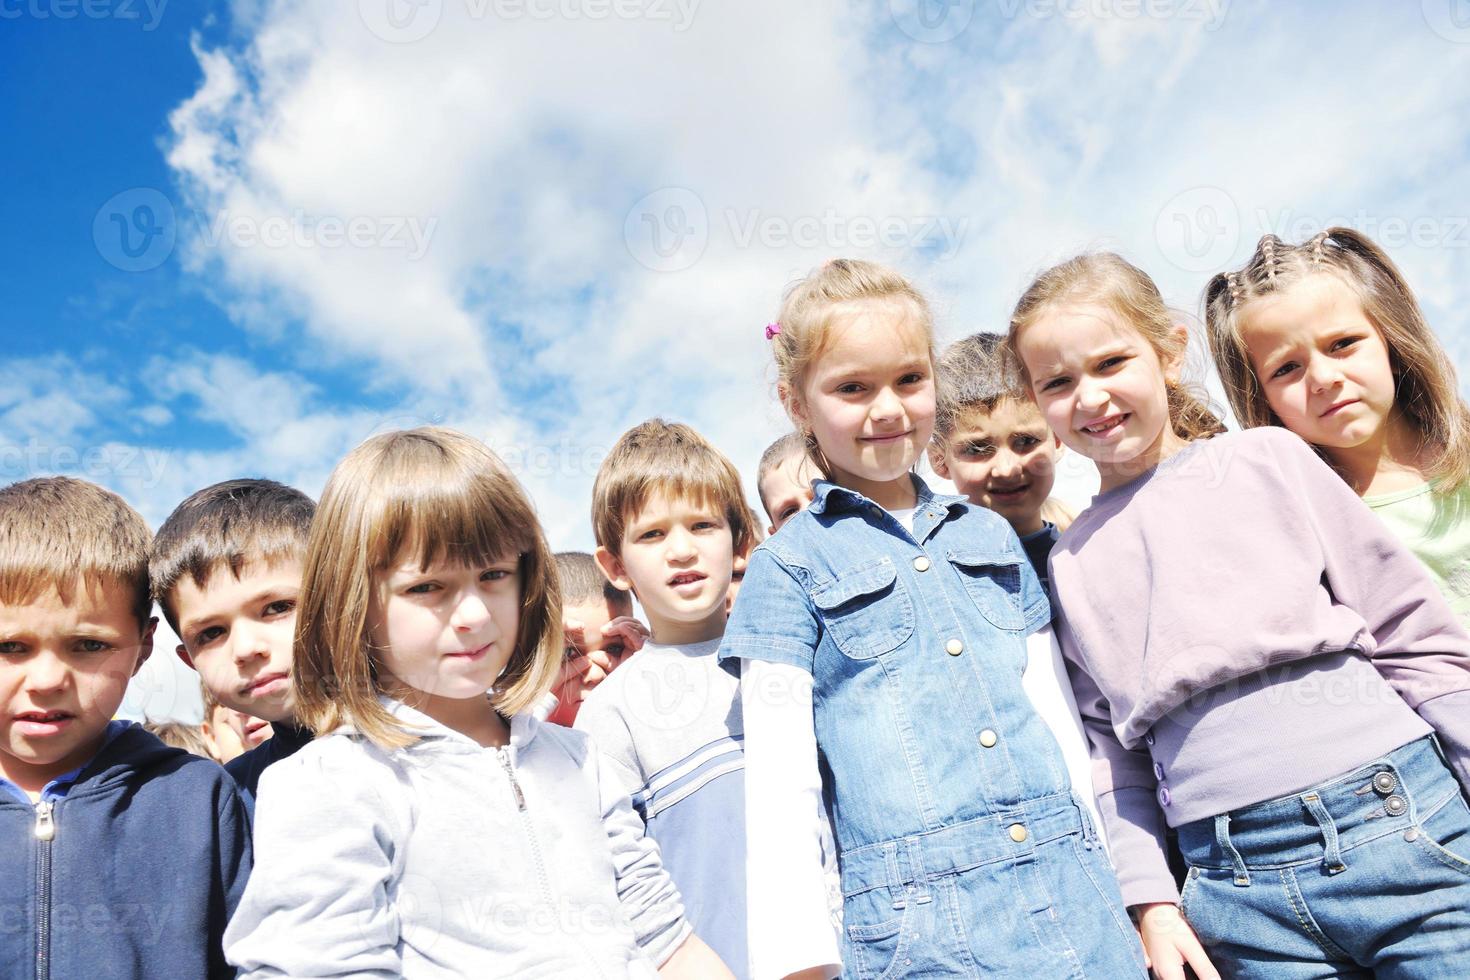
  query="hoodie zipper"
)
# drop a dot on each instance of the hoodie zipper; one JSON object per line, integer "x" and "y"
{"x": 504, "y": 756}
{"x": 45, "y": 834}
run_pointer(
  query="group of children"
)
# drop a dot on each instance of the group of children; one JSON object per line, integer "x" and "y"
{"x": 899, "y": 733}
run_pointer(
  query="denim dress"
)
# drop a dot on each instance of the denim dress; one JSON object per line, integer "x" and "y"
{"x": 962, "y": 850}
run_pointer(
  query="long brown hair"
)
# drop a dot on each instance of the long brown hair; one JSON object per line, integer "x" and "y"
{"x": 434, "y": 494}
{"x": 1425, "y": 388}
{"x": 1108, "y": 280}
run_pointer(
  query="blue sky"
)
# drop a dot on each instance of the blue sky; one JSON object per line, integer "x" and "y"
{"x": 245, "y": 235}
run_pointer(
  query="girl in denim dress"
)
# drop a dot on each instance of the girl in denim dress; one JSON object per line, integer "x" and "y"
{"x": 882, "y": 635}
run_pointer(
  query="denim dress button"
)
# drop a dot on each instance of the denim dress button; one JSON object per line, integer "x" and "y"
{"x": 1384, "y": 782}
{"x": 1165, "y": 797}
{"x": 921, "y": 564}
{"x": 1018, "y": 833}
{"x": 988, "y": 739}
{"x": 954, "y": 648}
{"x": 1396, "y": 806}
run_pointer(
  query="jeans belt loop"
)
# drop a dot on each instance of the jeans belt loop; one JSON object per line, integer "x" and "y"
{"x": 1332, "y": 856}
{"x": 1237, "y": 863}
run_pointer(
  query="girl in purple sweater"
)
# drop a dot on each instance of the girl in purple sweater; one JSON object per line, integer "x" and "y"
{"x": 1259, "y": 663}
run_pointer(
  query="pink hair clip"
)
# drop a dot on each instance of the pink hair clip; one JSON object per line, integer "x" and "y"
{"x": 772, "y": 329}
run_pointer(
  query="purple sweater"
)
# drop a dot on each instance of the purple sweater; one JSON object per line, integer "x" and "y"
{"x": 1240, "y": 626}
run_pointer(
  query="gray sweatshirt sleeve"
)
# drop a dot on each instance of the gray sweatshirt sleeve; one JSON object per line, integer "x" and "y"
{"x": 645, "y": 890}
{"x": 317, "y": 905}
{"x": 1418, "y": 644}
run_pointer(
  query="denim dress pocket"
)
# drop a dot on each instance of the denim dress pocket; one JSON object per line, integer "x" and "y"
{"x": 878, "y": 935}
{"x": 994, "y": 582}
{"x": 866, "y": 610}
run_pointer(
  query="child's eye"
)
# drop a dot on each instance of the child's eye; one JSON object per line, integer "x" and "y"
{"x": 1025, "y": 442}
{"x": 495, "y": 575}
{"x": 615, "y": 650}
{"x": 10, "y": 648}
{"x": 280, "y": 607}
{"x": 1111, "y": 362}
{"x": 1054, "y": 384}
{"x": 1283, "y": 370}
{"x": 570, "y": 653}
{"x": 851, "y": 388}
{"x": 422, "y": 588}
{"x": 208, "y": 635}
{"x": 92, "y": 646}
{"x": 1345, "y": 343}
{"x": 789, "y": 512}
{"x": 911, "y": 379}
{"x": 649, "y": 535}
{"x": 979, "y": 450}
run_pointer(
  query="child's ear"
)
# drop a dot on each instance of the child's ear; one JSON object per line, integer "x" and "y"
{"x": 1174, "y": 367}
{"x": 145, "y": 645}
{"x": 612, "y": 566}
{"x": 794, "y": 408}
{"x": 184, "y": 656}
{"x": 938, "y": 461}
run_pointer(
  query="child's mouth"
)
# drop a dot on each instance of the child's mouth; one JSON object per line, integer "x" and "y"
{"x": 1104, "y": 427}
{"x": 43, "y": 722}
{"x": 1010, "y": 493}
{"x": 686, "y": 582}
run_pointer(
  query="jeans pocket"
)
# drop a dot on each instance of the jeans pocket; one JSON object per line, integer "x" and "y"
{"x": 878, "y": 936}
{"x": 1445, "y": 834}
{"x": 994, "y": 583}
{"x": 866, "y": 610}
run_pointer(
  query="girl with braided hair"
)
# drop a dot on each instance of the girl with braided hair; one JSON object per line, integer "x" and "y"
{"x": 1326, "y": 339}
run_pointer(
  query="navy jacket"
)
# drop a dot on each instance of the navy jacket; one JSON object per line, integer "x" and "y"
{"x": 133, "y": 874}
{"x": 245, "y": 769}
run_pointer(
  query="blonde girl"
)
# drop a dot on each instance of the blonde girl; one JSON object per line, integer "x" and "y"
{"x": 1259, "y": 663}
{"x": 436, "y": 827}
{"x": 884, "y": 631}
{"x": 1326, "y": 339}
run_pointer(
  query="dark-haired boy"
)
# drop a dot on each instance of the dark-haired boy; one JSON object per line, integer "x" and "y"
{"x": 226, "y": 571}
{"x": 598, "y": 632}
{"x": 119, "y": 856}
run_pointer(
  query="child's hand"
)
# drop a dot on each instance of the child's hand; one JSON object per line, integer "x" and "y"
{"x": 633, "y": 634}
{"x": 1169, "y": 943}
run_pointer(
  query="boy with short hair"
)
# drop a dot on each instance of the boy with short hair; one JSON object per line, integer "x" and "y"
{"x": 992, "y": 443}
{"x": 226, "y": 571}
{"x": 784, "y": 479}
{"x": 598, "y": 632}
{"x": 117, "y": 852}
{"x": 670, "y": 517}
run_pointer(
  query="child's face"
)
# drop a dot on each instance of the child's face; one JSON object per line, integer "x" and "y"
{"x": 448, "y": 631}
{"x": 1321, "y": 362}
{"x": 869, "y": 399}
{"x": 1101, "y": 388}
{"x": 230, "y": 732}
{"x": 1004, "y": 460}
{"x": 64, "y": 669}
{"x": 677, "y": 557}
{"x": 591, "y": 653}
{"x": 787, "y": 489}
{"x": 237, "y": 632}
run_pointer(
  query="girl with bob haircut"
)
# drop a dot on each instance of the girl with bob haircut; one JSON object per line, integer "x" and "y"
{"x": 437, "y": 827}
{"x": 1215, "y": 601}
{"x": 1326, "y": 339}
{"x": 885, "y": 631}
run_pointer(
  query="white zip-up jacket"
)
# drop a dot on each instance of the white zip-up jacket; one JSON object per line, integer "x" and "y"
{"x": 447, "y": 859}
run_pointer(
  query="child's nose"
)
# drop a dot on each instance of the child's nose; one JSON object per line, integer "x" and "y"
{"x": 1006, "y": 464}
{"x": 46, "y": 672}
{"x": 470, "y": 613}
{"x": 886, "y": 405}
{"x": 249, "y": 643}
{"x": 1322, "y": 373}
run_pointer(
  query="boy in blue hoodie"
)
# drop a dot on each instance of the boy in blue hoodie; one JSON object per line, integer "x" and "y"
{"x": 226, "y": 571}
{"x": 119, "y": 856}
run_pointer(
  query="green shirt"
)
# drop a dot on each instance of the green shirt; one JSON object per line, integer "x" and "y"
{"x": 1436, "y": 527}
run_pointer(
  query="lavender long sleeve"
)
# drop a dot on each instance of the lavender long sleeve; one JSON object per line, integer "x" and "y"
{"x": 1240, "y": 626}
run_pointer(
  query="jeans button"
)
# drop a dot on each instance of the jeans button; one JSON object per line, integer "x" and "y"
{"x": 1384, "y": 782}
{"x": 1018, "y": 833}
{"x": 1395, "y": 806}
{"x": 921, "y": 564}
{"x": 988, "y": 739}
{"x": 954, "y": 648}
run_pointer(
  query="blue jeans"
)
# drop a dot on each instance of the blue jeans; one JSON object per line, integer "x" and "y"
{"x": 1366, "y": 875}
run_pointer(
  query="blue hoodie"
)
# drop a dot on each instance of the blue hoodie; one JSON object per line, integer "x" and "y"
{"x": 132, "y": 870}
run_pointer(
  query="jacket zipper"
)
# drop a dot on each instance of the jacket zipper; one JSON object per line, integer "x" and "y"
{"x": 520, "y": 797}
{"x": 45, "y": 834}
